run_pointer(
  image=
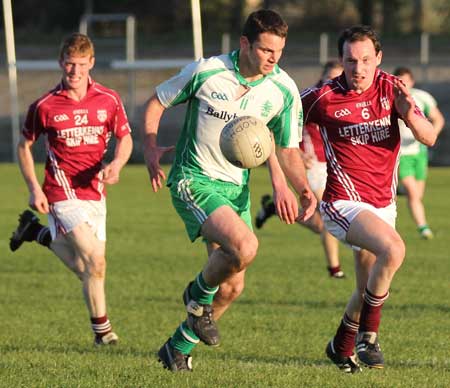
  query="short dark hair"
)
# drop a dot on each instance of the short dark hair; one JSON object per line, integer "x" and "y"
{"x": 264, "y": 20}
{"x": 402, "y": 70}
{"x": 358, "y": 33}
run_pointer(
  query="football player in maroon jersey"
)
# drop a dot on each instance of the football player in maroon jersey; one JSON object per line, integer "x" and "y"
{"x": 77, "y": 118}
{"x": 358, "y": 117}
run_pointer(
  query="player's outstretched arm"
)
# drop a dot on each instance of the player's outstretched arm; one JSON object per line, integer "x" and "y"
{"x": 422, "y": 129}
{"x": 153, "y": 153}
{"x": 294, "y": 169}
{"x": 37, "y": 200}
{"x": 111, "y": 171}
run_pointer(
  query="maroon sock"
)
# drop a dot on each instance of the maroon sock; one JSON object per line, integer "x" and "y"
{"x": 101, "y": 326}
{"x": 371, "y": 311}
{"x": 344, "y": 340}
{"x": 333, "y": 270}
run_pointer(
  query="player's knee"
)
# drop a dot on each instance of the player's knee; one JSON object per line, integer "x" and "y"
{"x": 97, "y": 267}
{"x": 230, "y": 292}
{"x": 395, "y": 252}
{"x": 414, "y": 197}
{"x": 245, "y": 251}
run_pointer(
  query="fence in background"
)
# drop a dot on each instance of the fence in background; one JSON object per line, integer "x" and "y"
{"x": 420, "y": 53}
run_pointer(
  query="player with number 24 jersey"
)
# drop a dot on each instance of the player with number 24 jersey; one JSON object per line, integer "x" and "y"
{"x": 77, "y": 135}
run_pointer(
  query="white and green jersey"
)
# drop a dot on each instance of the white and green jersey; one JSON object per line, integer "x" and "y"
{"x": 409, "y": 144}
{"x": 210, "y": 87}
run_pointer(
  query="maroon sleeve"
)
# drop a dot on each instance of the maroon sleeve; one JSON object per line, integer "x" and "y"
{"x": 309, "y": 102}
{"x": 33, "y": 126}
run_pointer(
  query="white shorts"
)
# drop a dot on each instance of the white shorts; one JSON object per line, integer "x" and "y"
{"x": 64, "y": 216}
{"x": 338, "y": 215}
{"x": 317, "y": 176}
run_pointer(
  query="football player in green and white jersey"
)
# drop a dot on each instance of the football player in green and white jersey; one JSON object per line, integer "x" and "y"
{"x": 209, "y": 193}
{"x": 414, "y": 155}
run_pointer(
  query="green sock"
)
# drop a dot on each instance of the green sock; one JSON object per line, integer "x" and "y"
{"x": 422, "y": 228}
{"x": 201, "y": 292}
{"x": 184, "y": 339}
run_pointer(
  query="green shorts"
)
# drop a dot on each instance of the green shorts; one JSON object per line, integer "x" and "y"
{"x": 195, "y": 199}
{"x": 414, "y": 165}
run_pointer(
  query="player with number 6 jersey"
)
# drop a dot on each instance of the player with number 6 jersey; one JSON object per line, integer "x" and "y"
{"x": 359, "y": 131}
{"x": 358, "y": 116}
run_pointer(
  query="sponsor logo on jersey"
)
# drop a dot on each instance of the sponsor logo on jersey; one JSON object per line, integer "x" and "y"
{"x": 60, "y": 118}
{"x": 373, "y": 131}
{"x": 102, "y": 115}
{"x": 219, "y": 96}
{"x": 385, "y": 103}
{"x": 81, "y": 135}
{"x": 342, "y": 112}
{"x": 266, "y": 108}
{"x": 222, "y": 115}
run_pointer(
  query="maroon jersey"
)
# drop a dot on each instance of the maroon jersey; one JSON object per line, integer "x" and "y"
{"x": 77, "y": 135}
{"x": 361, "y": 138}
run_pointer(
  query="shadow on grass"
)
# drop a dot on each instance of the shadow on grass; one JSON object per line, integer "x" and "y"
{"x": 309, "y": 304}
{"x": 260, "y": 302}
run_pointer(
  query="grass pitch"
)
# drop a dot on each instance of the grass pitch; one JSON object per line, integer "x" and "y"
{"x": 273, "y": 336}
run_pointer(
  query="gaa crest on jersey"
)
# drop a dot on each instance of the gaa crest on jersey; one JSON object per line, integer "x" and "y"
{"x": 385, "y": 103}
{"x": 61, "y": 117}
{"x": 342, "y": 112}
{"x": 102, "y": 115}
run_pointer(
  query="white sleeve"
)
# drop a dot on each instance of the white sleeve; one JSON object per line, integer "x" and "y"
{"x": 178, "y": 89}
